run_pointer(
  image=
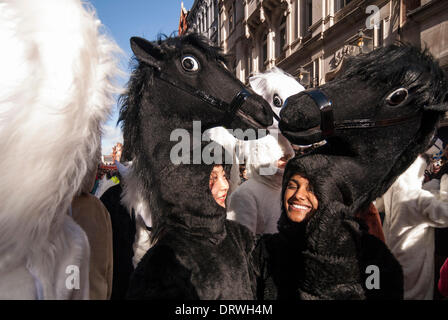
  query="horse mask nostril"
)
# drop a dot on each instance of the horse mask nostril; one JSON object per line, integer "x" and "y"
{"x": 299, "y": 111}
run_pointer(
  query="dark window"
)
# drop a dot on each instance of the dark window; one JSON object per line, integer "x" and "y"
{"x": 411, "y": 5}
{"x": 339, "y": 4}
{"x": 282, "y": 33}
{"x": 282, "y": 38}
{"x": 231, "y": 18}
{"x": 265, "y": 47}
{"x": 309, "y": 13}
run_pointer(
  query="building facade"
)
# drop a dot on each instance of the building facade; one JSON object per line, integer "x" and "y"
{"x": 309, "y": 38}
{"x": 203, "y": 18}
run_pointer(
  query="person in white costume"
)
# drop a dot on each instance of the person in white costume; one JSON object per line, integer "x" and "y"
{"x": 411, "y": 214}
{"x": 56, "y": 89}
{"x": 256, "y": 203}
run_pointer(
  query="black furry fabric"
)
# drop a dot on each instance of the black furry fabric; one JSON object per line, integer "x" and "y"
{"x": 325, "y": 256}
{"x": 196, "y": 253}
{"x": 187, "y": 267}
{"x": 331, "y": 249}
{"x": 123, "y": 234}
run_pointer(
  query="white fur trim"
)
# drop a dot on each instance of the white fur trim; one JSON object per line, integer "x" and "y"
{"x": 55, "y": 91}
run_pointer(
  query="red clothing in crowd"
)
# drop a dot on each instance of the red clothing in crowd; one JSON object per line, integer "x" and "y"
{"x": 372, "y": 219}
{"x": 443, "y": 281}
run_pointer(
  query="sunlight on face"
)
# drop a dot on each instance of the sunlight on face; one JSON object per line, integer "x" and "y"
{"x": 218, "y": 185}
{"x": 299, "y": 200}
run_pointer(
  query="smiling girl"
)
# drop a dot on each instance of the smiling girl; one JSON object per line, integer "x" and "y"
{"x": 219, "y": 185}
{"x": 299, "y": 200}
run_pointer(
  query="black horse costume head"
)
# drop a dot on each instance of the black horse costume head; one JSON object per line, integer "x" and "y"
{"x": 380, "y": 112}
{"x": 195, "y": 252}
{"x": 178, "y": 81}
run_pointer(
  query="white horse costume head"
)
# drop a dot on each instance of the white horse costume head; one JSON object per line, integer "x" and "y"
{"x": 55, "y": 91}
{"x": 275, "y": 86}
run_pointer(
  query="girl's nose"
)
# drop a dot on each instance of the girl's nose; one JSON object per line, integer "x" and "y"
{"x": 224, "y": 185}
{"x": 301, "y": 194}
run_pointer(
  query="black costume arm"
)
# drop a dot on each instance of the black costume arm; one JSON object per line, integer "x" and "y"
{"x": 160, "y": 276}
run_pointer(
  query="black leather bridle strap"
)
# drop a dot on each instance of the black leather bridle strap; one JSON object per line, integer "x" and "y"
{"x": 328, "y": 125}
{"x": 326, "y": 111}
{"x": 236, "y": 104}
{"x": 229, "y": 109}
{"x": 367, "y": 123}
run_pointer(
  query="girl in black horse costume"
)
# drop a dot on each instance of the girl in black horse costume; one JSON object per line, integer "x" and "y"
{"x": 371, "y": 139}
{"x": 196, "y": 253}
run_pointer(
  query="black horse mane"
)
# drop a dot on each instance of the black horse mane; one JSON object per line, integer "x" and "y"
{"x": 370, "y": 68}
{"x": 173, "y": 45}
{"x": 410, "y": 68}
{"x": 142, "y": 78}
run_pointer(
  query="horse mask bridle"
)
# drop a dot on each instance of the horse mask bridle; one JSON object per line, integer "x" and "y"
{"x": 328, "y": 126}
{"x": 230, "y": 109}
{"x": 142, "y": 49}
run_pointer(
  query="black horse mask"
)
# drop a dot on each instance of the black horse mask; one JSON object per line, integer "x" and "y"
{"x": 376, "y": 117}
{"x": 196, "y": 253}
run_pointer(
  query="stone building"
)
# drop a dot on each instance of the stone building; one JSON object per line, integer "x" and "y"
{"x": 309, "y": 38}
{"x": 203, "y": 18}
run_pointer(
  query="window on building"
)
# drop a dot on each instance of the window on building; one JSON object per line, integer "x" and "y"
{"x": 294, "y": 21}
{"x": 308, "y": 13}
{"x": 282, "y": 34}
{"x": 380, "y": 34}
{"x": 411, "y": 5}
{"x": 265, "y": 47}
{"x": 231, "y": 18}
{"x": 339, "y": 4}
{"x": 316, "y": 75}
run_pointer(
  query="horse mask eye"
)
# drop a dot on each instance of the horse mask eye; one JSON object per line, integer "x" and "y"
{"x": 278, "y": 102}
{"x": 190, "y": 64}
{"x": 397, "y": 97}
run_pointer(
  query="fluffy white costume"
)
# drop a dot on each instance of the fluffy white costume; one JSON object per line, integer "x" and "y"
{"x": 55, "y": 91}
{"x": 256, "y": 203}
{"x": 411, "y": 214}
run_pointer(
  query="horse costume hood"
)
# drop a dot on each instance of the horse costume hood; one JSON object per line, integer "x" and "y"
{"x": 371, "y": 140}
{"x": 56, "y": 89}
{"x": 196, "y": 252}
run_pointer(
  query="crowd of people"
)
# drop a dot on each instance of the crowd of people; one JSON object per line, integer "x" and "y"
{"x": 75, "y": 214}
{"x": 405, "y": 218}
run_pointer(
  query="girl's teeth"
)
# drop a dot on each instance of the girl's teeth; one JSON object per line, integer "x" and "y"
{"x": 300, "y": 207}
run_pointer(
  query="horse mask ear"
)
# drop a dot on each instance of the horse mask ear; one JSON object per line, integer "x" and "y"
{"x": 146, "y": 51}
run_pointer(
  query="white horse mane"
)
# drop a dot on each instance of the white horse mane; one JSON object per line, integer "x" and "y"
{"x": 56, "y": 89}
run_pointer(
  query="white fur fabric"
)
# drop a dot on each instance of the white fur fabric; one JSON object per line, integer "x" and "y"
{"x": 411, "y": 214}
{"x": 56, "y": 89}
{"x": 256, "y": 203}
{"x": 133, "y": 199}
{"x": 266, "y": 151}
